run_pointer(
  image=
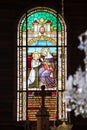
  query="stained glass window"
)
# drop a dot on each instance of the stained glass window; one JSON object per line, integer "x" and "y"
{"x": 41, "y": 60}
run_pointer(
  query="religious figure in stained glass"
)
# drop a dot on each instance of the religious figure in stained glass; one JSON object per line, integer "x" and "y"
{"x": 46, "y": 73}
{"x": 34, "y": 63}
{"x": 43, "y": 67}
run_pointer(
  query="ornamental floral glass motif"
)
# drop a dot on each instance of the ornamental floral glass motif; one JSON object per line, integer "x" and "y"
{"x": 41, "y": 60}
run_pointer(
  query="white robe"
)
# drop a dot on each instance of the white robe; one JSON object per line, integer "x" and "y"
{"x": 34, "y": 64}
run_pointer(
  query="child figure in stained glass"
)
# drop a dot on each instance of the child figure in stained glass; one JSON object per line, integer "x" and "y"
{"x": 46, "y": 74}
{"x": 34, "y": 63}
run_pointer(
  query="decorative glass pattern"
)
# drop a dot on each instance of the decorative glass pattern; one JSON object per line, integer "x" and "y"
{"x": 41, "y": 60}
{"x": 34, "y": 104}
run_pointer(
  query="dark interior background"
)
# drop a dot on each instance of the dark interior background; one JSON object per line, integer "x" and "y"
{"x": 75, "y": 13}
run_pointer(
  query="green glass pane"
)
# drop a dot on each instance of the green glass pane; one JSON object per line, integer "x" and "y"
{"x": 38, "y": 16}
{"x": 59, "y": 26}
{"x": 24, "y": 26}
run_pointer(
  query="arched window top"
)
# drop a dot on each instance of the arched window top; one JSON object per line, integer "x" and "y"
{"x": 41, "y": 23}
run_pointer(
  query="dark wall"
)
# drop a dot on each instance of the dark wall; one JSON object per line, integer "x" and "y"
{"x": 10, "y": 12}
{"x": 76, "y": 18}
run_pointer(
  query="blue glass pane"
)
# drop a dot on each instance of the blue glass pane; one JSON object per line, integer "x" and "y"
{"x": 38, "y": 49}
{"x": 42, "y": 43}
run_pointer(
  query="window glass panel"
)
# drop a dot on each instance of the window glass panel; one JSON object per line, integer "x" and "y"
{"x": 42, "y": 66}
{"x": 41, "y": 60}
